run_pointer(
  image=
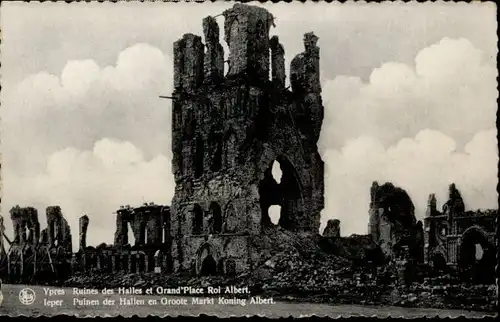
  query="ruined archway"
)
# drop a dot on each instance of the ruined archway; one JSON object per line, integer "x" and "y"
{"x": 206, "y": 260}
{"x": 208, "y": 266}
{"x": 477, "y": 256}
{"x": 287, "y": 193}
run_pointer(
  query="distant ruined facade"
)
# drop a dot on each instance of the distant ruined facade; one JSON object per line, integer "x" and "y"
{"x": 392, "y": 223}
{"x": 150, "y": 227}
{"x": 461, "y": 239}
{"x": 228, "y": 130}
{"x": 35, "y": 253}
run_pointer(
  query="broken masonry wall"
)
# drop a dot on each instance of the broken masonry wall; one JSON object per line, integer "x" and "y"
{"x": 138, "y": 224}
{"x": 188, "y": 63}
{"x": 246, "y": 31}
{"x": 332, "y": 228}
{"x": 278, "y": 74}
{"x": 121, "y": 233}
{"x": 33, "y": 225}
{"x": 392, "y": 223}
{"x": 306, "y": 86}
{"x": 19, "y": 225}
{"x": 53, "y": 214}
{"x": 214, "y": 55}
{"x": 58, "y": 229}
{"x": 166, "y": 223}
{"x": 154, "y": 226}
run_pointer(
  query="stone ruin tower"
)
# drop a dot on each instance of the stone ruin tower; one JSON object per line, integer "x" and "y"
{"x": 228, "y": 128}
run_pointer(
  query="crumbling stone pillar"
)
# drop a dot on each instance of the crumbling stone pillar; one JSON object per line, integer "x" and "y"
{"x": 83, "y": 224}
{"x": 246, "y": 31}
{"x": 373, "y": 222}
{"x": 153, "y": 218}
{"x": 332, "y": 228}
{"x": 166, "y": 224}
{"x": 277, "y": 63}
{"x": 431, "y": 206}
{"x": 53, "y": 222}
{"x": 121, "y": 234}
{"x": 19, "y": 225}
{"x": 33, "y": 225}
{"x": 304, "y": 68}
{"x": 214, "y": 55}
{"x": 44, "y": 236}
{"x": 188, "y": 63}
{"x": 58, "y": 229}
{"x": 138, "y": 223}
{"x": 455, "y": 204}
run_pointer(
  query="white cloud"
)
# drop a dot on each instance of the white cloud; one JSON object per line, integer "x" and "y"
{"x": 46, "y": 113}
{"x": 425, "y": 164}
{"x": 451, "y": 87}
{"x": 95, "y": 182}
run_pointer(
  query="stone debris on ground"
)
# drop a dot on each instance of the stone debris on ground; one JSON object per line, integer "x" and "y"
{"x": 294, "y": 272}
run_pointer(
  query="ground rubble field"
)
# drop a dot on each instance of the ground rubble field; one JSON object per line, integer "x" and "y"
{"x": 298, "y": 271}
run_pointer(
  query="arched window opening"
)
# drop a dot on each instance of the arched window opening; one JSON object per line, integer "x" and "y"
{"x": 477, "y": 257}
{"x": 197, "y": 220}
{"x": 280, "y": 194}
{"x": 208, "y": 266}
{"x": 199, "y": 155}
{"x": 215, "y": 222}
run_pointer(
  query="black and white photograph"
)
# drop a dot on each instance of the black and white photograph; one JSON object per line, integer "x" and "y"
{"x": 246, "y": 158}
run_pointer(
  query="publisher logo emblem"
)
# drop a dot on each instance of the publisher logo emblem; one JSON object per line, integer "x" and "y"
{"x": 27, "y": 296}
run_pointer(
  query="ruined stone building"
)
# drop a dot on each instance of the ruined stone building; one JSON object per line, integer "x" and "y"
{"x": 228, "y": 128}
{"x": 392, "y": 222}
{"x": 35, "y": 253}
{"x": 460, "y": 239}
{"x": 150, "y": 226}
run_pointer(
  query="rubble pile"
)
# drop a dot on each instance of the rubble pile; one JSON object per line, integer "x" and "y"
{"x": 295, "y": 267}
{"x": 308, "y": 275}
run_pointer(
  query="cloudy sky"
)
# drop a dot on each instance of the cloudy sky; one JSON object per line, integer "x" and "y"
{"x": 409, "y": 92}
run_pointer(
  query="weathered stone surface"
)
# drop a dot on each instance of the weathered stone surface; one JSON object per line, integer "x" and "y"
{"x": 393, "y": 223}
{"x": 59, "y": 232}
{"x": 278, "y": 74}
{"x": 33, "y": 225}
{"x": 332, "y": 228}
{"x": 19, "y": 224}
{"x": 214, "y": 54}
{"x": 246, "y": 31}
{"x": 122, "y": 219}
{"x": 188, "y": 63}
